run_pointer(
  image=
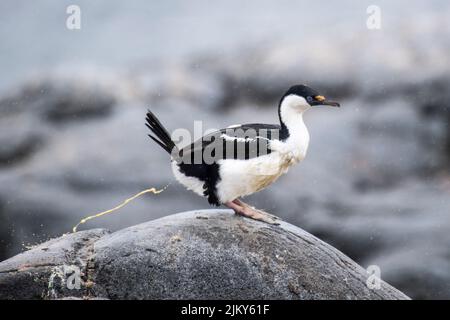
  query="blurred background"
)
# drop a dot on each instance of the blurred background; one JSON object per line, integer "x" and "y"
{"x": 375, "y": 183}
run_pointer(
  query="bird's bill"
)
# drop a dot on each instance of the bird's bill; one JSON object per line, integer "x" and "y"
{"x": 330, "y": 103}
{"x": 322, "y": 101}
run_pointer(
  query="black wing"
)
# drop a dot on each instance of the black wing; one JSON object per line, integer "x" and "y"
{"x": 237, "y": 142}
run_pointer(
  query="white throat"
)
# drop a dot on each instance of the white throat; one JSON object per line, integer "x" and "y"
{"x": 291, "y": 114}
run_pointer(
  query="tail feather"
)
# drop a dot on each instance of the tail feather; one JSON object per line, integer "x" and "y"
{"x": 162, "y": 136}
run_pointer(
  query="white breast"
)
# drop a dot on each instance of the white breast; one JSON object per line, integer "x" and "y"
{"x": 240, "y": 178}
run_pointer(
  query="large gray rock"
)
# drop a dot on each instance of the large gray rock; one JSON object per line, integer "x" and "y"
{"x": 209, "y": 254}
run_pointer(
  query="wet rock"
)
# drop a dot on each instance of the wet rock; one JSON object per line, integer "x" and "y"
{"x": 40, "y": 272}
{"x": 193, "y": 255}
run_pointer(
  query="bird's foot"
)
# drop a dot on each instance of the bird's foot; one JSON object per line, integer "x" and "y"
{"x": 242, "y": 209}
{"x": 243, "y": 204}
{"x": 257, "y": 215}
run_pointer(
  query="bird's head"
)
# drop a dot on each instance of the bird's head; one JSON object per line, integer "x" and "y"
{"x": 301, "y": 98}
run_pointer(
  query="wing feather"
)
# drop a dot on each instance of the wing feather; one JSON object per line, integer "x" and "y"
{"x": 238, "y": 142}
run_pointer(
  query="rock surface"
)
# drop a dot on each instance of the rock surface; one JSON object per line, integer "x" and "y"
{"x": 210, "y": 254}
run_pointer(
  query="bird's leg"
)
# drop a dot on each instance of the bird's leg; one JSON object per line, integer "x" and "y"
{"x": 236, "y": 208}
{"x": 243, "y": 204}
{"x": 249, "y": 212}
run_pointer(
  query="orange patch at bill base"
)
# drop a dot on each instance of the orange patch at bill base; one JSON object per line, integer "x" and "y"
{"x": 319, "y": 98}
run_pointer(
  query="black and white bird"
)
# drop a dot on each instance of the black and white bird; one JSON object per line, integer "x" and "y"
{"x": 243, "y": 159}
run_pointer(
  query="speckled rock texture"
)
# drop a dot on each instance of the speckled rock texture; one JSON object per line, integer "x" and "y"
{"x": 210, "y": 254}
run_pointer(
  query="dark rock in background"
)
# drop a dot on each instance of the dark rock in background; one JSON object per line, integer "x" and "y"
{"x": 19, "y": 140}
{"x": 207, "y": 254}
{"x": 60, "y": 99}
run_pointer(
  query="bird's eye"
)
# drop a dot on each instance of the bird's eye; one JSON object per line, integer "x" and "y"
{"x": 309, "y": 99}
